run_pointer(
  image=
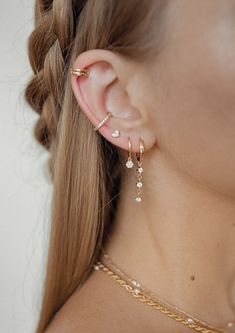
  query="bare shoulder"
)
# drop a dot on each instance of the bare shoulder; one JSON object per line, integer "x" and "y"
{"x": 102, "y": 305}
{"x": 96, "y": 306}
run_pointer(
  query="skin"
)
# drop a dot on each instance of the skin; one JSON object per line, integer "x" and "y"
{"x": 182, "y": 105}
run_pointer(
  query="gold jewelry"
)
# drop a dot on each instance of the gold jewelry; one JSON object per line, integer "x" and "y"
{"x": 79, "y": 72}
{"x": 85, "y": 73}
{"x": 144, "y": 295}
{"x": 129, "y": 163}
{"x": 103, "y": 121}
{"x": 139, "y": 184}
{"x": 116, "y": 134}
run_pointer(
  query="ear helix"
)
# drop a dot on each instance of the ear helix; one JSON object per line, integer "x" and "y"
{"x": 85, "y": 73}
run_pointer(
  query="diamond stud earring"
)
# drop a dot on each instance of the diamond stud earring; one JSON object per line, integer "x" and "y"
{"x": 116, "y": 134}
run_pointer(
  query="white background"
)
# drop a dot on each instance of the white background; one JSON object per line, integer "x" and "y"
{"x": 24, "y": 188}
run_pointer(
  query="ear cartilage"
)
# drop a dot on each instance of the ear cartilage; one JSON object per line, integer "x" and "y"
{"x": 109, "y": 114}
{"x": 79, "y": 72}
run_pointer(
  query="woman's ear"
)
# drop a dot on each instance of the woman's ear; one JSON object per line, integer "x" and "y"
{"x": 107, "y": 89}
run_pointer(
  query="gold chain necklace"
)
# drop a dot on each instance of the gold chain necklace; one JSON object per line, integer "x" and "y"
{"x": 143, "y": 294}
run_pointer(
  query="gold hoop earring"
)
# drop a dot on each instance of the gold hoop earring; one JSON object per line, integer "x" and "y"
{"x": 129, "y": 163}
{"x": 139, "y": 184}
{"x": 109, "y": 114}
{"x": 79, "y": 72}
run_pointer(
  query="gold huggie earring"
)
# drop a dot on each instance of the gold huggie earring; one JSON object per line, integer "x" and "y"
{"x": 129, "y": 163}
{"x": 109, "y": 114}
{"x": 79, "y": 72}
{"x": 139, "y": 184}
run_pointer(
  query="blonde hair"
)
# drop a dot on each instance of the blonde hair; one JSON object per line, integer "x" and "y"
{"x": 86, "y": 170}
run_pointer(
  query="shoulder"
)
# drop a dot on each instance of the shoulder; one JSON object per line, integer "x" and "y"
{"x": 101, "y": 305}
{"x": 91, "y": 308}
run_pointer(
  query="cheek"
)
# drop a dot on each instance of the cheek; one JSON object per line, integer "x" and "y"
{"x": 196, "y": 118}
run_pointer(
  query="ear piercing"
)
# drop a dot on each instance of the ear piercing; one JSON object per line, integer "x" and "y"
{"x": 116, "y": 134}
{"x": 109, "y": 114}
{"x": 84, "y": 73}
{"x": 140, "y": 170}
{"x": 130, "y": 164}
{"x": 79, "y": 72}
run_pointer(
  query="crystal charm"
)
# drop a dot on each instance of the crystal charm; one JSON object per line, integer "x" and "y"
{"x": 138, "y": 199}
{"x": 190, "y": 320}
{"x": 140, "y": 170}
{"x": 135, "y": 283}
{"x": 139, "y": 184}
{"x": 136, "y": 291}
{"x": 129, "y": 164}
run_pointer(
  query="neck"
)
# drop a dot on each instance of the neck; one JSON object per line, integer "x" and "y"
{"x": 178, "y": 242}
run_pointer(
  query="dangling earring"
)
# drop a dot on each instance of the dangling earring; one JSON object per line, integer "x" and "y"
{"x": 129, "y": 163}
{"x": 139, "y": 184}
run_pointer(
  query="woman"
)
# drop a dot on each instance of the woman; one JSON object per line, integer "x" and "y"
{"x": 136, "y": 102}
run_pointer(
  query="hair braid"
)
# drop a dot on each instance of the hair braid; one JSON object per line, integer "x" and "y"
{"x": 49, "y": 51}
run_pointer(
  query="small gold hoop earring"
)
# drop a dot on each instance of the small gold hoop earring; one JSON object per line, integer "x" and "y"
{"x": 79, "y": 72}
{"x": 109, "y": 114}
{"x": 139, "y": 184}
{"x": 129, "y": 163}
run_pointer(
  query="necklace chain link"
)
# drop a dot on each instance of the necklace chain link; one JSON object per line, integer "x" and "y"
{"x": 144, "y": 295}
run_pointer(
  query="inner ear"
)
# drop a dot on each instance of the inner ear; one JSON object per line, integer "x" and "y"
{"x": 103, "y": 72}
{"x": 118, "y": 102}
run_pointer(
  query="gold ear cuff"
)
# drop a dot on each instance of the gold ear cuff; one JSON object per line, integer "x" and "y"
{"x": 79, "y": 72}
{"x": 84, "y": 73}
{"x": 109, "y": 114}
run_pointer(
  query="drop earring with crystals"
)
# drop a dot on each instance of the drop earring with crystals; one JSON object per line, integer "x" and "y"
{"x": 139, "y": 184}
{"x": 129, "y": 163}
